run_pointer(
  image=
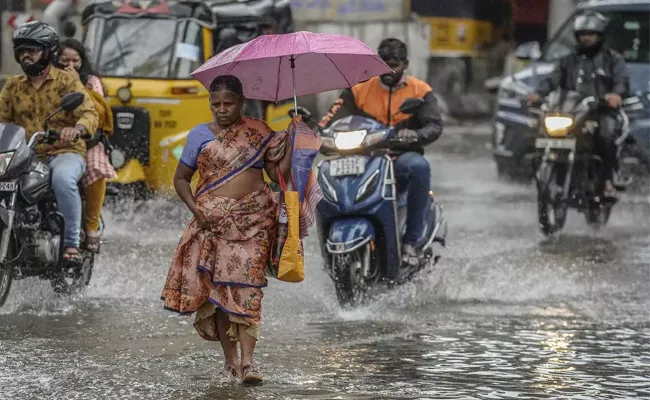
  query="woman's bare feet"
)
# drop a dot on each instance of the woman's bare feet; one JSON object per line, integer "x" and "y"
{"x": 250, "y": 375}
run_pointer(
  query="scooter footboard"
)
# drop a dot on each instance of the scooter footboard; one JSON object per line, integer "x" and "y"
{"x": 349, "y": 234}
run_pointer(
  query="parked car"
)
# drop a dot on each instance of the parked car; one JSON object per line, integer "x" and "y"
{"x": 515, "y": 128}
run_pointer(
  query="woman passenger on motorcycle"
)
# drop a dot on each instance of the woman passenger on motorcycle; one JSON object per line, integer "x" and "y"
{"x": 73, "y": 59}
{"x": 218, "y": 268}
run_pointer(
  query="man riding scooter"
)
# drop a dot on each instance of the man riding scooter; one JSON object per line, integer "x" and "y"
{"x": 594, "y": 69}
{"x": 27, "y": 100}
{"x": 381, "y": 97}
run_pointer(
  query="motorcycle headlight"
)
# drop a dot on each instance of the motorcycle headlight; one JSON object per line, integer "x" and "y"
{"x": 5, "y": 161}
{"x": 349, "y": 140}
{"x": 368, "y": 186}
{"x": 558, "y": 126}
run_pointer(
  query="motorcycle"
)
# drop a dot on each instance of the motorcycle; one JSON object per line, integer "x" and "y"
{"x": 31, "y": 225}
{"x": 362, "y": 216}
{"x": 568, "y": 172}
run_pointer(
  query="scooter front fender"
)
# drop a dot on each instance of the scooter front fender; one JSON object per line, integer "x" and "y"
{"x": 347, "y": 235}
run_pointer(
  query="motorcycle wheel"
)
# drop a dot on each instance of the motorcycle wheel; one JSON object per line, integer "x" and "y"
{"x": 6, "y": 279}
{"x": 7, "y": 275}
{"x": 348, "y": 280}
{"x": 551, "y": 216}
{"x": 598, "y": 216}
{"x": 73, "y": 280}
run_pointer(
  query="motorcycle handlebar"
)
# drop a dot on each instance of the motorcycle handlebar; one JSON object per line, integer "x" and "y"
{"x": 50, "y": 137}
{"x": 591, "y": 102}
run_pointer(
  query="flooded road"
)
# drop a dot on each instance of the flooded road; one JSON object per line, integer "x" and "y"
{"x": 506, "y": 314}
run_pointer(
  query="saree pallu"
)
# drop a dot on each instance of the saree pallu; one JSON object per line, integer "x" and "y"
{"x": 222, "y": 268}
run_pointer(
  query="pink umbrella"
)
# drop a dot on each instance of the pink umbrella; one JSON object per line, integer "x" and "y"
{"x": 277, "y": 67}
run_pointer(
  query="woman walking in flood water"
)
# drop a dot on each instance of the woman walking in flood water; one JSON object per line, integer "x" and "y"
{"x": 218, "y": 268}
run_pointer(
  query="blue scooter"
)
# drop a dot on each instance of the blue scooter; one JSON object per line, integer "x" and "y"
{"x": 362, "y": 217}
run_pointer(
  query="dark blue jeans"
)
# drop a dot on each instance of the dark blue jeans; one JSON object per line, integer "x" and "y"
{"x": 413, "y": 172}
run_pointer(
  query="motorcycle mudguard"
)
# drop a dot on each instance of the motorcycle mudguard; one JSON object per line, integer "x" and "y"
{"x": 347, "y": 235}
{"x": 543, "y": 174}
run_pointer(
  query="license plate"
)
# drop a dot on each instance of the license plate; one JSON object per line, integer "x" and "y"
{"x": 348, "y": 166}
{"x": 7, "y": 186}
{"x": 555, "y": 143}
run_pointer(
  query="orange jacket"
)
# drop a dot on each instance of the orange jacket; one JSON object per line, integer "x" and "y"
{"x": 374, "y": 99}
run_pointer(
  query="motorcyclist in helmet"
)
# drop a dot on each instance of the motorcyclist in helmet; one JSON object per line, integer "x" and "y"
{"x": 381, "y": 97}
{"x": 27, "y": 100}
{"x": 594, "y": 69}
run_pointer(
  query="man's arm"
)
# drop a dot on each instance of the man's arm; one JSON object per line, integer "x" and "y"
{"x": 555, "y": 80}
{"x": 621, "y": 77}
{"x": 429, "y": 120}
{"x": 6, "y": 108}
{"x": 344, "y": 106}
{"x": 86, "y": 114}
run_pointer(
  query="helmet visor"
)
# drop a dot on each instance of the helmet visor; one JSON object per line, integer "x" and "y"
{"x": 28, "y": 46}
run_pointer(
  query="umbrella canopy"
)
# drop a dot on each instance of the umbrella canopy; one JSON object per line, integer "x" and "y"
{"x": 277, "y": 67}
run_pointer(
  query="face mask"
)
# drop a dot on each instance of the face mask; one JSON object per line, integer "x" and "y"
{"x": 37, "y": 68}
{"x": 34, "y": 69}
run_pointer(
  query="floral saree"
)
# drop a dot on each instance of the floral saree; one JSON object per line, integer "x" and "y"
{"x": 222, "y": 268}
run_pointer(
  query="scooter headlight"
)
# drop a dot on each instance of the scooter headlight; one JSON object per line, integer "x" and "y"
{"x": 5, "y": 161}
{"x": 558, "y": 126}
{"x": 368, "y": 186}
{"x": 349, "y": 140}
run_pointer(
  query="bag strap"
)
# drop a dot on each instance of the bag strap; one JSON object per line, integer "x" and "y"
{"x": 282, "y": 182}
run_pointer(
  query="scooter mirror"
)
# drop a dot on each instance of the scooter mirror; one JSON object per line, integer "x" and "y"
{"x": 411, "y": 105}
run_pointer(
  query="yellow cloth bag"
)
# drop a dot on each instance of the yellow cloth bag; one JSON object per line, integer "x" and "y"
{"x": 287, "y": 255}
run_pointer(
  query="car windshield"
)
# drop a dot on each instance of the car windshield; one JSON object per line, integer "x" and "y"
{"x": 628, "y": 33}
{"x": 145, "y": 47}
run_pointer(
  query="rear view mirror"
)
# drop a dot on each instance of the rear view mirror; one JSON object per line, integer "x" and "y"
{"x": 72, "y": 101}
{"x": 411, "y": 106}
{"x": 69, "y": 29}
{"x": 117, "y": 158}
{"x": 529, "y": 51}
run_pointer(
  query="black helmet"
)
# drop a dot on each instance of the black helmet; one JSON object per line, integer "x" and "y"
{"x": 36, "y": 35}
{"x": 590, "y": 21}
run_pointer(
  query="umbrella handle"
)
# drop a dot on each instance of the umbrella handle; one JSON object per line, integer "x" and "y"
{"x": 293, "y": 76}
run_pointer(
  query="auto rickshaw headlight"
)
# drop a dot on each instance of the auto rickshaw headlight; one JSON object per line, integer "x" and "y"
{"x": 124, "y": 94}
{"x": 558, "y": 126}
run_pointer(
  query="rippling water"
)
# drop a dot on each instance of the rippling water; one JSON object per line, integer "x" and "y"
{"x": 507, "y": 314}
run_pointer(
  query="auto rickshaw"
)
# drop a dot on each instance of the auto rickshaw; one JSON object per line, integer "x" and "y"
{"x": 461, "y": 31}
{"x": 145, "y": 50}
